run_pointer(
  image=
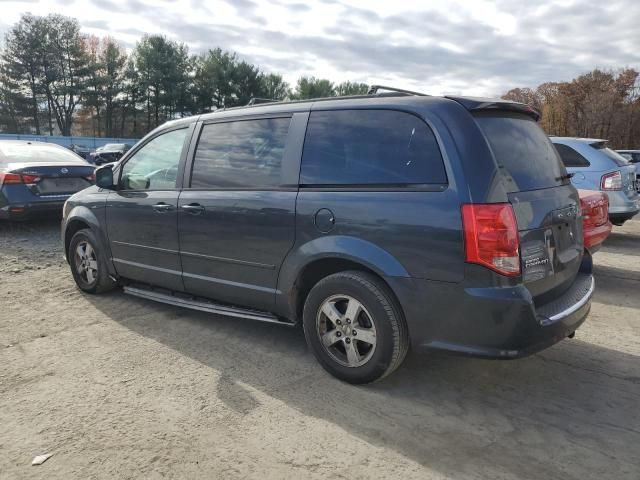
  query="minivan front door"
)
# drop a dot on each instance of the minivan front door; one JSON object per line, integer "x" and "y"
{"x": 141, "y": 214}
{"x": 237, "y": 217}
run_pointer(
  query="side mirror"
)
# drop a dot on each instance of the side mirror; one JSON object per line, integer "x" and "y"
{"x": 104, "y": 177}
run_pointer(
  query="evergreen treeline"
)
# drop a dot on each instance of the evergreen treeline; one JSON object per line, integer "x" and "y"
{"x": 56, "y": 80}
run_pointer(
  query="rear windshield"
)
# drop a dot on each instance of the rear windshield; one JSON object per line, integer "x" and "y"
{"x": 36, "y": 153}
{"x": 615, "y": 156}
{"x": 525, "y": 156}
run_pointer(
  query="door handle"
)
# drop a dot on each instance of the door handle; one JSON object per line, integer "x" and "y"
{"x": 162, "y": 207}
{"x": 193, "y": 208}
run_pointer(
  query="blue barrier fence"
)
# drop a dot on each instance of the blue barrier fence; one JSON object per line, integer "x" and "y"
{"x": 89, "y": 142}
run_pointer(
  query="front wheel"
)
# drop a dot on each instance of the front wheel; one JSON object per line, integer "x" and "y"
{"x": 354, "y": 327}
{"x": 87, "y": 264}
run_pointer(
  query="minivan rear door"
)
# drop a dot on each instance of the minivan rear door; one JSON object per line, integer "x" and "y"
{"x": 546, "y": 205}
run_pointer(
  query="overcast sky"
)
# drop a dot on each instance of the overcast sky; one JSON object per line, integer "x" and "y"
{"x": 474, "y": 47}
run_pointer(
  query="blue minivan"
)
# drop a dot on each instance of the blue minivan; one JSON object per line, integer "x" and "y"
{"x": 379, "y": 222}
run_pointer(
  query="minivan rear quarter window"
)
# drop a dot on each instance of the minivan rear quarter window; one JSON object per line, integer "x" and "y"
{"x": 240, "y": 154}
{"x": 370, "y": 147}
{"x": 524, "y": 154}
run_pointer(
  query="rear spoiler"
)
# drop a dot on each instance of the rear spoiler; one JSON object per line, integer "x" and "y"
{"x": 483, "y": 104}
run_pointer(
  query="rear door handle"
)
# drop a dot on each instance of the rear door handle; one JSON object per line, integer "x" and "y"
{"x": 162, "y": 207}
{"x": 193, "y": 208}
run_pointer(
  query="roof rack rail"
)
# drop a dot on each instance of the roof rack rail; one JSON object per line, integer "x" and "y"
{"x": 373, "y": 90}
{"x": 257, "y": 100}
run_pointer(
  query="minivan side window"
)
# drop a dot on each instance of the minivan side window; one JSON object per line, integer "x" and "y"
{"x": 570, "y": 157}
{"x": 155, "y": 165}
{"x": 242, "y": 153}
{"x": 370, "y": 147}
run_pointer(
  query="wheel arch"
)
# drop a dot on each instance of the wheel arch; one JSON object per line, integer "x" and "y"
{"x": 324, "y": 256}
{"x": 80, "y": 218}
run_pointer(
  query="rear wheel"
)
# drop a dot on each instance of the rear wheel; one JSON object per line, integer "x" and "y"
{"x": 354, "y": 327}
{"x": 87, "y": 264}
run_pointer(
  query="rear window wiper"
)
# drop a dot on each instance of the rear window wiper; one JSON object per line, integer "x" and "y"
{"x": 565, "y": 177}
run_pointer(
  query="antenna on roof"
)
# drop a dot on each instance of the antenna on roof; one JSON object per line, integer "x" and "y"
{"x": 373, "y": 90}
{"x": 258, "y": 100}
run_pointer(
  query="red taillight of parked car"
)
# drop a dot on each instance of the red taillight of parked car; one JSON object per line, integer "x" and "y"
{"x": 16, "y": 178}
{"x": 9, "y": 178}
{"x": 611, "y": 181}
{"x": 491, "y": 237}
{"x": 30, "y": 179}
{"x": 595, "y": 217}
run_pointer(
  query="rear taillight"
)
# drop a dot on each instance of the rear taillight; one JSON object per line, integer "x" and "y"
{"x": 30, "y": 179}
{"x": 491, "y": 237}
{"x": 9, "y": 178}
{"x": 595, "y": 209}
{"x": 15, "y": 178}
{"x": 91, "y": 178}
{"x": 611, "y": 181}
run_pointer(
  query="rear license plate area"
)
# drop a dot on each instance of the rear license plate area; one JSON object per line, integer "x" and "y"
{"x": 50, "y": 186}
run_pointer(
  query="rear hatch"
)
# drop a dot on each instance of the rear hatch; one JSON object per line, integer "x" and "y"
{"x": 546, "y": 205}
{"x": 54, "y": 180}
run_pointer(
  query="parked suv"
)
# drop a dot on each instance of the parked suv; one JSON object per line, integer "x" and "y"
{"x": 379, "y": 221}
{"x": 596, "y": 167}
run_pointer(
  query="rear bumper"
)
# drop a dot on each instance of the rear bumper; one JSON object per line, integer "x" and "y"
{"x": 620, "y": 203}
{"x": 593, "y": 237}
{"x": 620, "y": 218}
{"x": 493, "y": 322}
{"x": 21, "y": 211}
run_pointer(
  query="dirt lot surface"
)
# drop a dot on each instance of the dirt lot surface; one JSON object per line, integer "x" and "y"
{"x": 119, "y": 387}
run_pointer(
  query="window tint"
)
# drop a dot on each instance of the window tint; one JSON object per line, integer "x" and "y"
{"x": 523, "y": 152}
{"x": 245, "y": 153}
{"x": 154, "y": 166}
{"x": 570, "y": 157}
{"x": 370, "y": 147}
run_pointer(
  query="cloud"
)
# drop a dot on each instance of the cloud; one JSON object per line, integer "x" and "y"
{"x": 456, "y": 46}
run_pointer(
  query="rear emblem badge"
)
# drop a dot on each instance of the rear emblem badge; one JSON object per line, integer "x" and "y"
{"x": 64, "y": 170}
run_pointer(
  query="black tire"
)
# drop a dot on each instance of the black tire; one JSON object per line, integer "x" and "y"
{"x": 387, "y": 321}
{"x": 98, "y": 281}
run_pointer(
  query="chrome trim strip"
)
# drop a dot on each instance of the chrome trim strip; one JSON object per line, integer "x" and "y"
{"x": 230, "y": 260}
{"x": 229, "y": 282}
{"x": 148, "y": 267}
{"x": 576, "y": 306}
{"x": 197, "y": 255}
{"x": 145, "y": 247}
{"x": 204, "y": 306}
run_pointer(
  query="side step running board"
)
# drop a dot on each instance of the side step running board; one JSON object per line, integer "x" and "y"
{"x": 204, "y": 306}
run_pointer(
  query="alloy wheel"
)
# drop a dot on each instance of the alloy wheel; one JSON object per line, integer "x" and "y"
{"x": 346, "y": 330}
{"x": 86, "y": 262}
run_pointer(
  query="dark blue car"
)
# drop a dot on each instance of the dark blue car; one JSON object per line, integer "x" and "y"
{"x": 379, "y": 222}
{"x": 38, "y": 177}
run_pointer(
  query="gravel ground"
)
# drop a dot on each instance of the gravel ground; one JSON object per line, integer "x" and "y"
{"x": 119, "y": 387}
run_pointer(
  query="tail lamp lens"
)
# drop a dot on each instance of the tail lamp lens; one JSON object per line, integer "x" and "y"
{"x": 611, "y": 181}
{"x": 30, "y": 179}
{"x": 9, "y": 178}
{"x": 16, "y": 178}
{"x": 595, "y": 209}
{"x": 491, "y": 237}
